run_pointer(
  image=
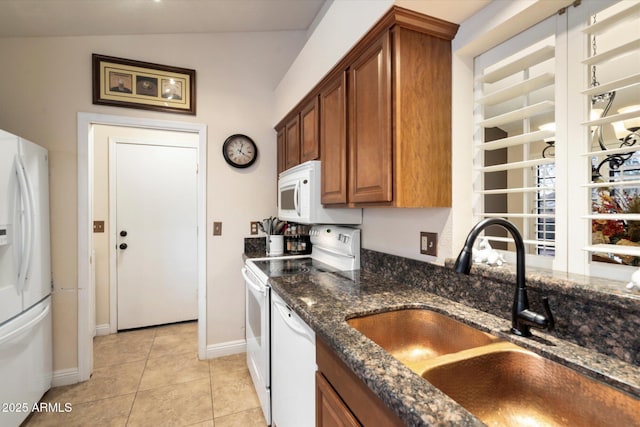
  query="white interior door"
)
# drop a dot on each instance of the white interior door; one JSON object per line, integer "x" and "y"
{"x": 156, "y": 234}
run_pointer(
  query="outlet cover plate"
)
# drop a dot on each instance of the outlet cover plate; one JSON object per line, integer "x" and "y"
{"x": 254, "y": 227}
{"x": 429, "y": 243}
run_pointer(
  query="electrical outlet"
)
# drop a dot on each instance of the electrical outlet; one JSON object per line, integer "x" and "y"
{"x": 217, "y": 228}
{"x": 254, "y": 227}
{"x": 429, "y": 243}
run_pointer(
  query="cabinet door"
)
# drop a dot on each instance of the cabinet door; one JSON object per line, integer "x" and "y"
{"x": 333, "y": 140}
{"x": 280, "y": 139}
{"x": 292, "y": 142}
{"x": 370, "y": 140}
{"x": 309, "y": 135}
{"x": 331, "y": 411}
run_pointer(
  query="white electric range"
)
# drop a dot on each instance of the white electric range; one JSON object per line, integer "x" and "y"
{"x": 334, "y": 248}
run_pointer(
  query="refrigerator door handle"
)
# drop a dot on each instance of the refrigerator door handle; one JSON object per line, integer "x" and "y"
{"x": 26, "y": 194}
{"x": 29, "y": 325}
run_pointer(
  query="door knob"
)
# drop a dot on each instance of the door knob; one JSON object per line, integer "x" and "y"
{"x": 123, "y": 246}
{"x": 123, "y": 233}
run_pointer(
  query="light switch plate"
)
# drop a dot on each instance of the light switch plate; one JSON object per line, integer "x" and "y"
{"x": 98, "y": 226}
{"x": 429, "y": 243}
{"x": 217, "y": 228}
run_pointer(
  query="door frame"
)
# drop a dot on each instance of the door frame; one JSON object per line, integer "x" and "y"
{"x": 113, "y": 268}
{"x": 85, "y": 227}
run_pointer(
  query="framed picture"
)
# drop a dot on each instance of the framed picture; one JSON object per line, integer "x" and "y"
{"x": 134, "y": 84}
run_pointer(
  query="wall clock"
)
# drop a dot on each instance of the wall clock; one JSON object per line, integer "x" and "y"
{"x": 239, "y": 151}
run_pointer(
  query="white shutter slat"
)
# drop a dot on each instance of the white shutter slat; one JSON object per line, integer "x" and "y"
{"x": 516, "y": 140}
{"x": 516, "y": 165}
{"x": 516, "y": 190}
{"x": 548, "y": 243}
{"x": 614, "y": 249}
{"x": 614, "y": 217}
{"x": 622, "y": 150}
{"x": 631, "y": 80}
{"x": 613, "y": 53}
{"x": 514, "y": 215}
{"x": 618, "y": 184}
{"x": 518, "y": 89}
{"x": 540, "y": 55}
{"x": 628, "y": 14}
{"x": 612, "y": 118}
{"x": 522, "y": 113}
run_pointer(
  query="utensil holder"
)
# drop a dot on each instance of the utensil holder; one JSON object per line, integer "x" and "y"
{"x": 275, "y": 245}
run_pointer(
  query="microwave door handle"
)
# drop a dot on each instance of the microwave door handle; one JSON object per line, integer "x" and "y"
{"x": 296, "y": 198}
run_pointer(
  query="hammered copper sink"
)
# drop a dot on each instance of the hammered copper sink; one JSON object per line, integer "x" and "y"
{"x": 499, "y": 382}
{"x": 516, "y": 387}
{"x": 416, "y": 335}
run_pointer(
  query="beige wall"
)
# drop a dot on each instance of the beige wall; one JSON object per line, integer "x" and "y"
{"x": 45, "y": 82}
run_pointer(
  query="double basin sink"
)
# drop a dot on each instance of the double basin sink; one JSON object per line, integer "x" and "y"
{"x": 500, "y": 383}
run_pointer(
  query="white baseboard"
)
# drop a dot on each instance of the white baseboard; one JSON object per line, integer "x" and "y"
{"x": 65, "y": 377}
{"x": 226, "y": 349}
{"x": 104, "y": 329}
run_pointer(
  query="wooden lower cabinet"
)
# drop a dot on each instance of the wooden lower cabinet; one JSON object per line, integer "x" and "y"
{"x": 330, "y": 409}
{"x": 342, "y": 399}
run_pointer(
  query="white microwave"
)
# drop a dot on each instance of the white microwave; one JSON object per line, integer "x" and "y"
{"x": 299, "y": 198}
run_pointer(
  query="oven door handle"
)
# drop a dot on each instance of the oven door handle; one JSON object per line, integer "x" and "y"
{"x": 249, "y": 282}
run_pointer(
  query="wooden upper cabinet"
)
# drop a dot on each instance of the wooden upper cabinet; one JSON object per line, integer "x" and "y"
{"x": 292, "y": 142}
{"x": 281, "y": 149}
{"x": 422, "y": 118}
{"x": 385, "y": 117}
{"x": 333, "y": 140}
{"x": 370, "y": 142}
{"x": 309, "y": 131}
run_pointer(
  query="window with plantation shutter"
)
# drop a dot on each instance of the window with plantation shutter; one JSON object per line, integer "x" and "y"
{"x": 514, "y": 148}
{"x": 613, "y": 143}
{"x": 557, "y": 141}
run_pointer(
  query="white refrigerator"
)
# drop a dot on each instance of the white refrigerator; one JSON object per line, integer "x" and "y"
{"x": 25, "y": 278}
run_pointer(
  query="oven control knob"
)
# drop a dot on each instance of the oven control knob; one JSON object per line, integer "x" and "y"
{"x": 123, "y": 246}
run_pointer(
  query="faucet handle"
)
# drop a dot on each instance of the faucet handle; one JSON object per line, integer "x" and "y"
{"x": 551, "y": 323}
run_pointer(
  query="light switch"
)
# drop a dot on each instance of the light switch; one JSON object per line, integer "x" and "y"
{"x": 98, "y": 226}
{"x": 217, "y": 228}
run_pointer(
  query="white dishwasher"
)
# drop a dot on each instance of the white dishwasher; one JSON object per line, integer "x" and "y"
{"x": 293, "y": 367}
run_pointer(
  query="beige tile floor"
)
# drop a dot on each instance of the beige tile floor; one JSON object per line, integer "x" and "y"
{"x": 152, "y": 377}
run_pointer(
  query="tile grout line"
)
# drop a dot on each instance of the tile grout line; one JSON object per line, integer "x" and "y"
{"x": 213, "y": 411}
{"x": 155, "y": 334}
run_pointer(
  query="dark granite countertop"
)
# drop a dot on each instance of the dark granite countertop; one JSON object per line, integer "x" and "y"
{"x": 326, "y": 300}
